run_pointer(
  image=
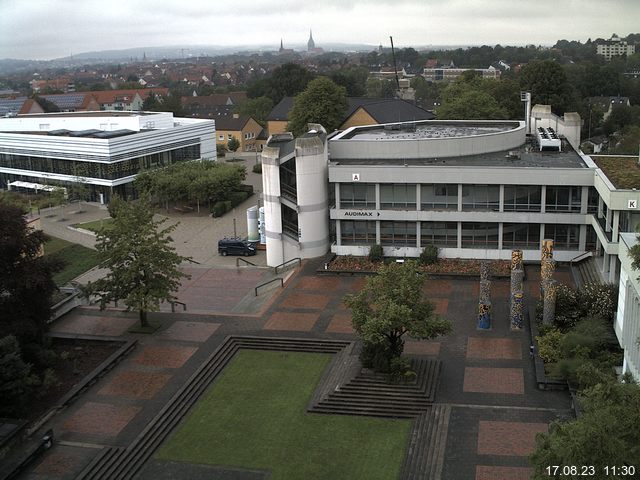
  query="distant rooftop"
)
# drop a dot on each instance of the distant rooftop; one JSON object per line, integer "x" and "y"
{"x": 623, "y": 172}
{"x": 99, "y": 113}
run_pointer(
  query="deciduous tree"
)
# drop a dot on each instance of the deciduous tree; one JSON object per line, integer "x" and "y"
{"x": 143, "y": 265}
{"x": 391, "y": 305}
{"x": 322, "y": 102}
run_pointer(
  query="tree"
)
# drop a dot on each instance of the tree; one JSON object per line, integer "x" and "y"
{"x": 16, "y": 379}
{"x": 389, "y": 306}
{"x": 354, "y": 79}
{"x": 606, "y": 434}
{"x": 257, "y": 108}
{"x": 470, "y": 104}
{"x": 233, "y": 144}
{"x": 142, "y": 263}
{"x": 379, "y": 88}
{"x": 322, "y": 102}
{"x": 548, "y": 84}
{"x": 286, "y": 81}
{"x": 26, "y": 278}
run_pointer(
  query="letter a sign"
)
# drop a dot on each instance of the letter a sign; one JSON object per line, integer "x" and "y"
{"x": 355, "y": 177}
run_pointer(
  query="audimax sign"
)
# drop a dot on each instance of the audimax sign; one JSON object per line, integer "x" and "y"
{"x": 361, "y": 213}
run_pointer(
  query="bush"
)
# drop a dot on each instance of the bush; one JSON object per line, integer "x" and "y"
{"x": 400, "y": 370}
{"x": 243, "y": 187}
{"x": 221, "y": 150}
{"x": 16, "y": 380}
{"x": 376, "y": 356}
{"x": 429, "y": 255}
{"x": 598, "y": 299}
{"x": 220, "y": 208}
{"x": 376, "y": 253}
{"x": 567, "y": 307}
{"x": 257, "y": 168}
{"x": 236, "y": 198}
{"x": 549, "y": 345}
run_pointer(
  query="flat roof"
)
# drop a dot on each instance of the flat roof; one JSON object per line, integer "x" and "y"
{"x": 623, "y": 172}
{"x": 525, "y": 156}
{"x": 432, "y": 129}
{"x": 93, "y": 113}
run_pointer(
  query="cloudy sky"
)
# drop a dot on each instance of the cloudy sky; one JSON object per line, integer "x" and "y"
{"x": 45, "y": 29}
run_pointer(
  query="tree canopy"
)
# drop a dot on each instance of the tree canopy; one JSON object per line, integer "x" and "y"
{"x": 391, "y": 305}
{"x": 26, "y": 282}
{"x": 143, "y": 267}
{"x": 257, "y": 108}
{"x": 606, "y": 434}
{"x": 322, "y": 102}
{"x": 547, "y": 81}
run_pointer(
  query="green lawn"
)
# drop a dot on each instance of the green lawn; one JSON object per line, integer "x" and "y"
{"x": 78, "y": 259}
{"x": 254, "y": 417}
{"x": 96, "y": 224}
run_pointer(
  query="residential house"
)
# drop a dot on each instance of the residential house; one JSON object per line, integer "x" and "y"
{"x": 615, "y": 47}
{"x": 73, "y": 102}
{"x": 607, "y": 104}
{"x": 18, "y": 106}
{"x": 244, "y": 128}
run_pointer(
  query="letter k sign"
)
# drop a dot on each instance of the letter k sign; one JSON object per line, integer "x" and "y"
{"x": 632, "y": 204}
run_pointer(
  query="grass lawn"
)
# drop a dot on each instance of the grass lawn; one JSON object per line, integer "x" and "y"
{"x": 96, "y": 224}
{"x": 78, "y": 259}
{"x": 253, "y": 416}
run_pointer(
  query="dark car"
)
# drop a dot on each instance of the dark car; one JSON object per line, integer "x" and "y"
{"x": 235, "y": 247}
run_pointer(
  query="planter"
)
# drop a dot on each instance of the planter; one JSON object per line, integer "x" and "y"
{"x": 543, "y": 382}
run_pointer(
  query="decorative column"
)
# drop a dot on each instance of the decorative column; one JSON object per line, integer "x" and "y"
{"x": 517, "y": 309}
{"x": 549, "y": 307}
{"x": 484, "y": 302}
{"x": 547, "y": 264}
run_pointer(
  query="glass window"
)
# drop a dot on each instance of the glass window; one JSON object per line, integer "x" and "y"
{"x": 563, "y": 199}
{"x": 439, "y": 196}
{"x": 479, "y": 235}
{"x": 480, "y": 197}
{"x": 357, "y": 232}
{"x": 358, "y": 195}
{"x": 592, "y": 201}
{"x": 565, "y": 237}
{"x": 398, "y": 234}
{"x": 522, "y": 198}
{"x": 520, "y": 235}
{"x": 440, "y": 234}
{"x": 398, "y": 196}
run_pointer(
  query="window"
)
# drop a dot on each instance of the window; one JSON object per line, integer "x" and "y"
{"x": 229, "y": 136}
{"x": 520, "y": 235}
{"x": 221, "y": 138}
{"x": 357, "y": 232}
{"x": 479, "y": 235}
{"x": 565, "y": 237}
{"x": 563, "y": 199}
{"x": 522, "y": 198}
{"x": 398, "y": 234}
{"x": 398, "y": 196}
{"x": 440, "y": 196}
{"x": 440, "y": 234}
{"x": 480, "y": 197}
{"x": 358, "y": 195}
{"x": 592, "y": 201}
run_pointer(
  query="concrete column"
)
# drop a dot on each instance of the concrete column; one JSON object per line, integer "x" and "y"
{"x": 541, "y": 234}
{"x": 584, "y": 200}
{"x": 501, "y": 205}
{"x": 418, "y": 197}
{"x": 459, "y": 234}
{"x": 616, "y": 225}
{"x": 337, "y": 194}
{"x": 613, "y": 268}
{"x": 600, "y": 206}
{"x": 582, "y": 239}
{"x": 549, "y": 306}
{"x": 338, "y": 233}
{"x": 607, "y": 223}
{"x": 272, "y": 207}
{"x": 500, "y": 232}
{"x": 459, "y": 199}
{"x": 419, "y": 242}
{"x": 543, "y": 201}
{"x": 378, "y": 200}
{"x": 378, "y": 232}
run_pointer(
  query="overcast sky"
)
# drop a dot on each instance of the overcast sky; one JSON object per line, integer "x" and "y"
{"x": 45, "y": 29}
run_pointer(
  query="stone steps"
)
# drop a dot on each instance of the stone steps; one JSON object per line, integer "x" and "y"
{"x": 121, "y": 464}
{"x": 588, "y": 272}
{"x": 424, "y": 459}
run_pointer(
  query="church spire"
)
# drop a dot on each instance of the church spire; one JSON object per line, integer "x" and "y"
{"x": 311, "y": 44}
{"x": 281, "y": 45}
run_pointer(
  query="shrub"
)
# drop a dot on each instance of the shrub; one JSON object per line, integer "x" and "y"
{"x": 429, "y": 255}
{"x": 16, "y": 380}
{"x": 400, "y": 370}
{"x": 257, "y": 168}
{"x": 243, "y": 187}
{"x": 376, "y": 356}
{"x": 567, "y": 307}
{"x": 549, "y": 345}
{"x": 376, "y": 253}
{"x": 220, "y": 208}
{"x": 236, "y": 198}
{"x": 598, "y": 299}
{"x": 221, "y": 150}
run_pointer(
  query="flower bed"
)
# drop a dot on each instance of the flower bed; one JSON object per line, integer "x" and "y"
{"x": 444, "y": 266}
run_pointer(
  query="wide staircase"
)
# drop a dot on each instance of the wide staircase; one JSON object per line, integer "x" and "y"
{"x": 586, "y": 271}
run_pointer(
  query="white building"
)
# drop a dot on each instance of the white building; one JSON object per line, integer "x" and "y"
{"x": 615, "y": 47}
{"x": 105, "y": 150}
{"x": 627, "y": 323}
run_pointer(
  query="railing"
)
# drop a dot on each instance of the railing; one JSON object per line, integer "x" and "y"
{"x": 267, "y": 283}
{"x": 580, "y": 257}
{"x": 297, "y": 259}
{"x": 240, "y": 259}
{"x": 173, "y": 306}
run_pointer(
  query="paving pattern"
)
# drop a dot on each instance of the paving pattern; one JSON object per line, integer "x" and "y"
{"x": 487, "y": 383}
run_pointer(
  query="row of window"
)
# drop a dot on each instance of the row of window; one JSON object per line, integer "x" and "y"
{"x": 473, "y": 234}
{"x": 517, "y": 198}
{"x": 107, "y": 171}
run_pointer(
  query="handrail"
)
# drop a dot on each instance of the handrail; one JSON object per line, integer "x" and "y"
{"x": 174, "y": 303}
{"x": 239, "y": 259}
{"x": 267, "y": 283}
{"x": 578, "y": 257}
{"x": 297, "y": 259}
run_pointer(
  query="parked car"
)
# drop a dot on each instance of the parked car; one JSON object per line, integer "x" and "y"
{"x": 231, "y": 246}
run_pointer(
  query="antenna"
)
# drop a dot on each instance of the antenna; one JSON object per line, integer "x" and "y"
{"x": 395, "y": 68}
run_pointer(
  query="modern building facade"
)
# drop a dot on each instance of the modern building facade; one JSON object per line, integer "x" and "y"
{"x": 615, "y": 47}
{"x": 627, "y": 323}
{"x": 104, "y": 150}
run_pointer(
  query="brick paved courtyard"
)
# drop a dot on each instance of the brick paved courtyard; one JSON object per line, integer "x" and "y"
{"x": 487, "y": 376}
